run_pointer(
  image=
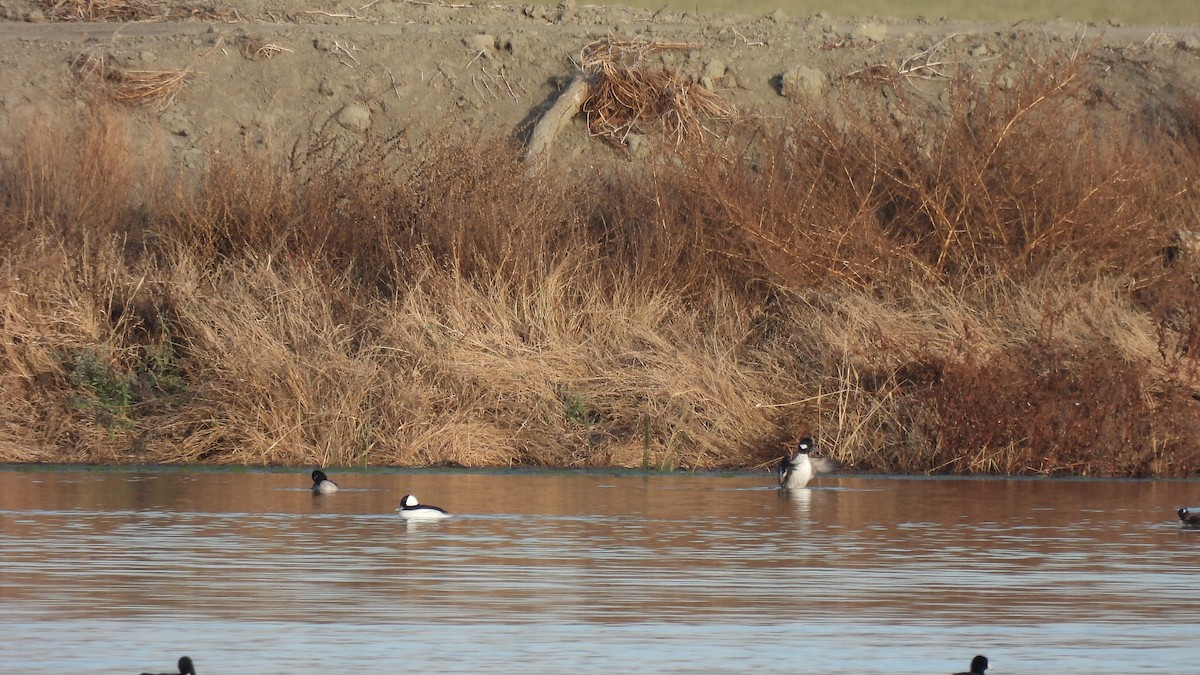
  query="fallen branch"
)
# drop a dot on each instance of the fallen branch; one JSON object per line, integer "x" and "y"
{"x": 565, "y": 108}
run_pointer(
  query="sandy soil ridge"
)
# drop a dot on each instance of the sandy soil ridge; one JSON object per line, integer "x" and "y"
{"x": 276, "y": 72}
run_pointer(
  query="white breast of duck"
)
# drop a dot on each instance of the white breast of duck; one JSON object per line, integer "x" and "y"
{"x": 411, "y": 509}
{"x": 796, "y": 472}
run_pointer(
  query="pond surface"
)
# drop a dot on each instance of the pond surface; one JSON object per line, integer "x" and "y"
{"x": 120, "y": 571}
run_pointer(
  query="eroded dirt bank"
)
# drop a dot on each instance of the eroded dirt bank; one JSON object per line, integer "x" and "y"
{"x": 271, "y": 72}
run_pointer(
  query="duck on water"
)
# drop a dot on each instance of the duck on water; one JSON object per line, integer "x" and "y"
{"x": 1190, "y": 517}
{"x": 411, "y": 509}
{"x": 321, "y": 483}
{"x": 796, "y": 472}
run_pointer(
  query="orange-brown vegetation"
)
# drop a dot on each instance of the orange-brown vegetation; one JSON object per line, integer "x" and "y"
{"x": 990, "y": 290}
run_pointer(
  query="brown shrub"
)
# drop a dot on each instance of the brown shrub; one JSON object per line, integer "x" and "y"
{"x": 73, "y": 179}
{"x": 1043, "y": 409}
{"x": 983, "y": 292}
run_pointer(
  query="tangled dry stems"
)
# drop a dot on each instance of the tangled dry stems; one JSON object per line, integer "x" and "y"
{"x": 134, "y": 10}
{"x": 630, "y": 93}
{"x": 254, "y": 47}
{"x": 155, "y": 88}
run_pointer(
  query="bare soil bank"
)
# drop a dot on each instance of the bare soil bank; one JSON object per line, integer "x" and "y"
{"x": 271, "y": 72}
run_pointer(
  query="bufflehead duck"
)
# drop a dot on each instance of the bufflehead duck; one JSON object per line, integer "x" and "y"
{"x": 185, "y": 668}
{"x": 979, "y": 666}
{"x": 1190, "y": 517}
{"x": 411, "y": 509}
{"x": 795, "y": 473}
{"x": 321, "y": 484}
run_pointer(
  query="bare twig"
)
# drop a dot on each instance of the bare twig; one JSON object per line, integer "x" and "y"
{"x": 918, "y": 65}
{"x": 329, "y": 14}
{"x": 747, "y": 42}
{"x": 394, "y": 87}
{"x": 348, "y": 50}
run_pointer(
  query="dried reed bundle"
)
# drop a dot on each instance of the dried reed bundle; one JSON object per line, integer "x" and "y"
{"x": 256, "y": 47}
{"x": 628, "y": 91}
{"x": 133, "y": 10}
{"x": 156, "y": 88}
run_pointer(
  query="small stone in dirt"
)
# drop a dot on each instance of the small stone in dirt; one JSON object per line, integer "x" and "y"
{"x": 507, "y": 43}
{"x": 537, "y": 12}
{"x": 322, "y": 44}
{"x": 148, "y": 57}
{"x": 637, "y": 145}
{"x": 176, "y": 124}
{"x": 35, "y": 16}
{"x": 326, "y": 88}
{"x": 355, "y": 117}
{"x": 979, "y": 50}
{"x": 713, "y": 71}
{"x": 802, "y": 82}
{"x": 1190, "y": 43}
{"x": 481, "y": 43}
{"x": 193, "y": 158}
{"x": 731, "y": 78}
{"x": 778, "y": 16}
{"x": 871, "y": 32}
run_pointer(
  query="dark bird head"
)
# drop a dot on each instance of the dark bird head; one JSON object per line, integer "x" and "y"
{"x": 805, "y": 446}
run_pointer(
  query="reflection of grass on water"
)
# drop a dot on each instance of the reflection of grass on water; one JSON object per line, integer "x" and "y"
{"x": 982, "y": 288}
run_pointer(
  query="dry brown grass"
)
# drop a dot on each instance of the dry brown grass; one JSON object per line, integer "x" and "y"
{"x": 70, "y": 180}
{"x": 982, "y": 293}
{"x": 631, "y": 93}
{"x": 134, "y": 10}
{"x": 154, "y": 88}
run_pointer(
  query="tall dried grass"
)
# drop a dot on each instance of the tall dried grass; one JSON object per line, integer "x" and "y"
{"x": 983, "y": 293}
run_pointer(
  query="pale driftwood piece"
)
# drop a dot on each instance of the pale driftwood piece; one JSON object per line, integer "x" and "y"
{"x": 557, "y": 117}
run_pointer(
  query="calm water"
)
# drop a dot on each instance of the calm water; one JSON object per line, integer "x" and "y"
{"x": 246, "y": 572}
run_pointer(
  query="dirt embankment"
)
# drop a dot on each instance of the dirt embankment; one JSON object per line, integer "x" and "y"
{"x": 270, "y": 72}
